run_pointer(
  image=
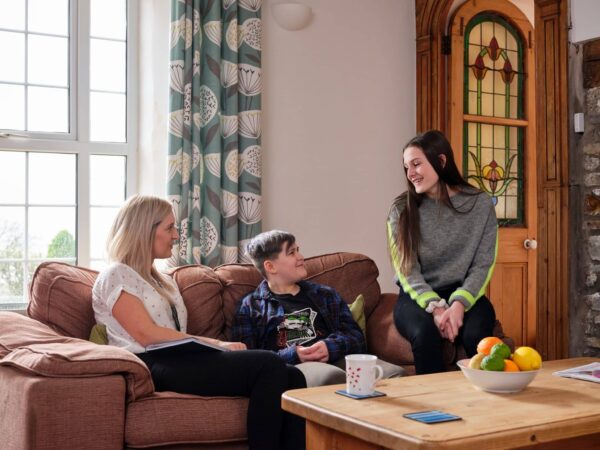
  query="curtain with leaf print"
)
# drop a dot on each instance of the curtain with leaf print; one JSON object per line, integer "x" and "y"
{"x": 214, "y": 160}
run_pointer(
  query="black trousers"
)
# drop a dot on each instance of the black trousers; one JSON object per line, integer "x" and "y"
{"x": 418, "y": 327}
{"x": 260, "y": 375}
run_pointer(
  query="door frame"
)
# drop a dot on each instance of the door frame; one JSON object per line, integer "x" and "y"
{"x": 551, "y": 60}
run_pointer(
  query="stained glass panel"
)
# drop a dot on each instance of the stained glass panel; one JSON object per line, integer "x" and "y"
{"x": 493, "y": 68}
{"x": 493, "y": 153}
{"x": 494, "y": 163}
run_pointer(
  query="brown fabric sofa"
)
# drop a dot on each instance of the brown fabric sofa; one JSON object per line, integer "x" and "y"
{"x": 60, "y": 391}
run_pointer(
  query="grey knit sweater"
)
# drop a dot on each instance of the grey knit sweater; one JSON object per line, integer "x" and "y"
{"x": 456, "y": 248}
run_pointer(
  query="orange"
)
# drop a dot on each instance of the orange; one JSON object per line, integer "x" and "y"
{"x": 510, "y": 366}
{"x": 486, "y": 344}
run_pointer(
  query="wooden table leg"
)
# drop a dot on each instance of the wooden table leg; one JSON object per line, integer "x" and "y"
{"x": 319, "y": 437}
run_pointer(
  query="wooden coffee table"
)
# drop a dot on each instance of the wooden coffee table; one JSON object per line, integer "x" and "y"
{"x": 553, "y": 411}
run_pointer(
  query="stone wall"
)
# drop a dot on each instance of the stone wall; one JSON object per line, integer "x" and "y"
{"x": 584, "y": 96}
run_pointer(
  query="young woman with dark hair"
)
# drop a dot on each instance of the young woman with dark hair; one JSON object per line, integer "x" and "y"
{"x": 442, "y": 237}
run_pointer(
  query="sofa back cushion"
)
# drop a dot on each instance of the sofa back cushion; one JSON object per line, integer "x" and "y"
{"x": 201, "y": 292}
{"x": 237, "y": 281}
{"x": 60, "y": 295}
{"x": 350, "y": 274}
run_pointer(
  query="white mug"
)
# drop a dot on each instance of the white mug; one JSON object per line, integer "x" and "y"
{"x": 362, "y": 373}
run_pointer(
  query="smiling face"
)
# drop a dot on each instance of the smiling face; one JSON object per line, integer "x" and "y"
{"x": 165, "y": 234}
{"x": 288, "y": 268}
{"x": 420, "y": 172}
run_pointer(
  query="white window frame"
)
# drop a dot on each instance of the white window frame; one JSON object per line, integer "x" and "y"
{"x": 77, "y": 140}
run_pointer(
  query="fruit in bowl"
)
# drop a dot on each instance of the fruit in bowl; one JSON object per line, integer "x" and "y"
{"x": 495, "y": 369}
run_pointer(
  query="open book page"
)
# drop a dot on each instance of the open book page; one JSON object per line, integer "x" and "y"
{"x": 588, "y": 372}
{"x": 185, "y": 345}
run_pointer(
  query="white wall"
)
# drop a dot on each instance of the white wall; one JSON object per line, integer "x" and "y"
{"x": 584, "y": 17}
{"x": 338, "y": 105}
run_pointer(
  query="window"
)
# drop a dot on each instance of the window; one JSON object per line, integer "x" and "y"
{"x": 493, "y": 93}
{"x": 67, "y": 146}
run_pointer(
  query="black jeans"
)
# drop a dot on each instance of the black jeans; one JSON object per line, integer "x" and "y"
{"x": 418, "y": 327}
{"x": 260, "y": 375}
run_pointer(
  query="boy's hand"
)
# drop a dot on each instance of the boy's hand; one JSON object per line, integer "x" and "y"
{"x": 316, "y": 352}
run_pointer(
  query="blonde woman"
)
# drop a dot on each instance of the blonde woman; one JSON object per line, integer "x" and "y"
{"x": 442, "y": 236}
{"x": 141, "y": 306}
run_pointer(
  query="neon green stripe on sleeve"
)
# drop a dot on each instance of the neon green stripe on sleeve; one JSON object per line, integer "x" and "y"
{"x": 491, "y": 270}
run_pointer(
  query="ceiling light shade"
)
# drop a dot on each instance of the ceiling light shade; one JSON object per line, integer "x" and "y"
{"x": 291, "y": 16}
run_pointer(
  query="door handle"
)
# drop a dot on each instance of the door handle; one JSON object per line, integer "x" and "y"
{"x": 530, "y": 244}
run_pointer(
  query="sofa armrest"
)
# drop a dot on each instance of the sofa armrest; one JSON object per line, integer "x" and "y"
{"x": 52, "y": 413}
{"x": 32, "y": 347}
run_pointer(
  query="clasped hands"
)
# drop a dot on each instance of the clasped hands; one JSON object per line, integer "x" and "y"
{"x": 449, "y": 320}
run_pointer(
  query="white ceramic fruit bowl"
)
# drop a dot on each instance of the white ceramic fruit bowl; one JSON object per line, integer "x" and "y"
{"x": 498, "y": 382}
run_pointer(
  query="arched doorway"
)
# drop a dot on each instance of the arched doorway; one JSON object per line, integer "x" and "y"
{"x": 549, "y": 310}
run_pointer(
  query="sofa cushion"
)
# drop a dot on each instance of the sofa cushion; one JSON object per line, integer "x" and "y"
{"x": 201, "y": 292}
{"x": 169, "y": 418}
{"x": 237, "y": 281}
{"x": 357, "y": 309}
{"x": 350, "y": 274}
{"x": 99, "y": 335}
{"x": 34, "y": 348}
{"x": 60, "y": 295}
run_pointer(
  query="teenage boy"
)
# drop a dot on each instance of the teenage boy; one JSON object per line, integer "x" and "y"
{"x": 307, "y": 324}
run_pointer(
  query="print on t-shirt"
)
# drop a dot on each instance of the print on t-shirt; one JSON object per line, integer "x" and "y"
{"x": 297, "y": 328}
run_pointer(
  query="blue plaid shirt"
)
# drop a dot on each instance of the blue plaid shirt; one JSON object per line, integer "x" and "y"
{"x": 256, "y": 320}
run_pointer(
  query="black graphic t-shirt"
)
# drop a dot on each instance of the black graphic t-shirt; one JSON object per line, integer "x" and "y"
{"x": 302, "y": 324}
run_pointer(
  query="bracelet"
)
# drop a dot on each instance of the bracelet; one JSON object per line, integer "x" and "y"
{"x": 441, "y": 303}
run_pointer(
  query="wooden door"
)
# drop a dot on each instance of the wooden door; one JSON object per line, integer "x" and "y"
{"x": 492, "y": 130}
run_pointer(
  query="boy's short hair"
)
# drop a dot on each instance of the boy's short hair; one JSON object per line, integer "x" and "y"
{"x": 266, "y": 246}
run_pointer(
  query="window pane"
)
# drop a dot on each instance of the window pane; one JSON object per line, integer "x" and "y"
{"x": 12, "y": 232}
{"x": 49, "y": 16}
{"x": 12, "y": 14}
{"x": 51, "y": 232}
{"x": 12, "y": 177}
{"x": 107, "y": 65}
{"x": 12, "y": 107}
{"x": 48, "y": 60}
{"x": 108, "y": 19}
{"x": 52, "y": 179}
{"x": 101, "y": 220}
{"x": 107, "y": 117}
{"x": 48, "y": 109}
{"x": 12, "y": 55}
{"x": 107, "y": 180}
{"x": 11, "y": 283}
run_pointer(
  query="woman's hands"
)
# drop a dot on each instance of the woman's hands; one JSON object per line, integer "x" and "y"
{"x": 437, "y": 314}
{"x": 450, "y": 320}
{"x": 232, "y": 345}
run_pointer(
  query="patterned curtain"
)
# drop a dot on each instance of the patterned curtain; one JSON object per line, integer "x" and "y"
{"x": 214, "y": 161}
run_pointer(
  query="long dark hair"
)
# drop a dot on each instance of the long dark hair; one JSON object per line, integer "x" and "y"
{"x": 434, "y": 144}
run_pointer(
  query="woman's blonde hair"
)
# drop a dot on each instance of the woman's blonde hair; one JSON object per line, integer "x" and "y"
{"x": 131, "y": 238}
